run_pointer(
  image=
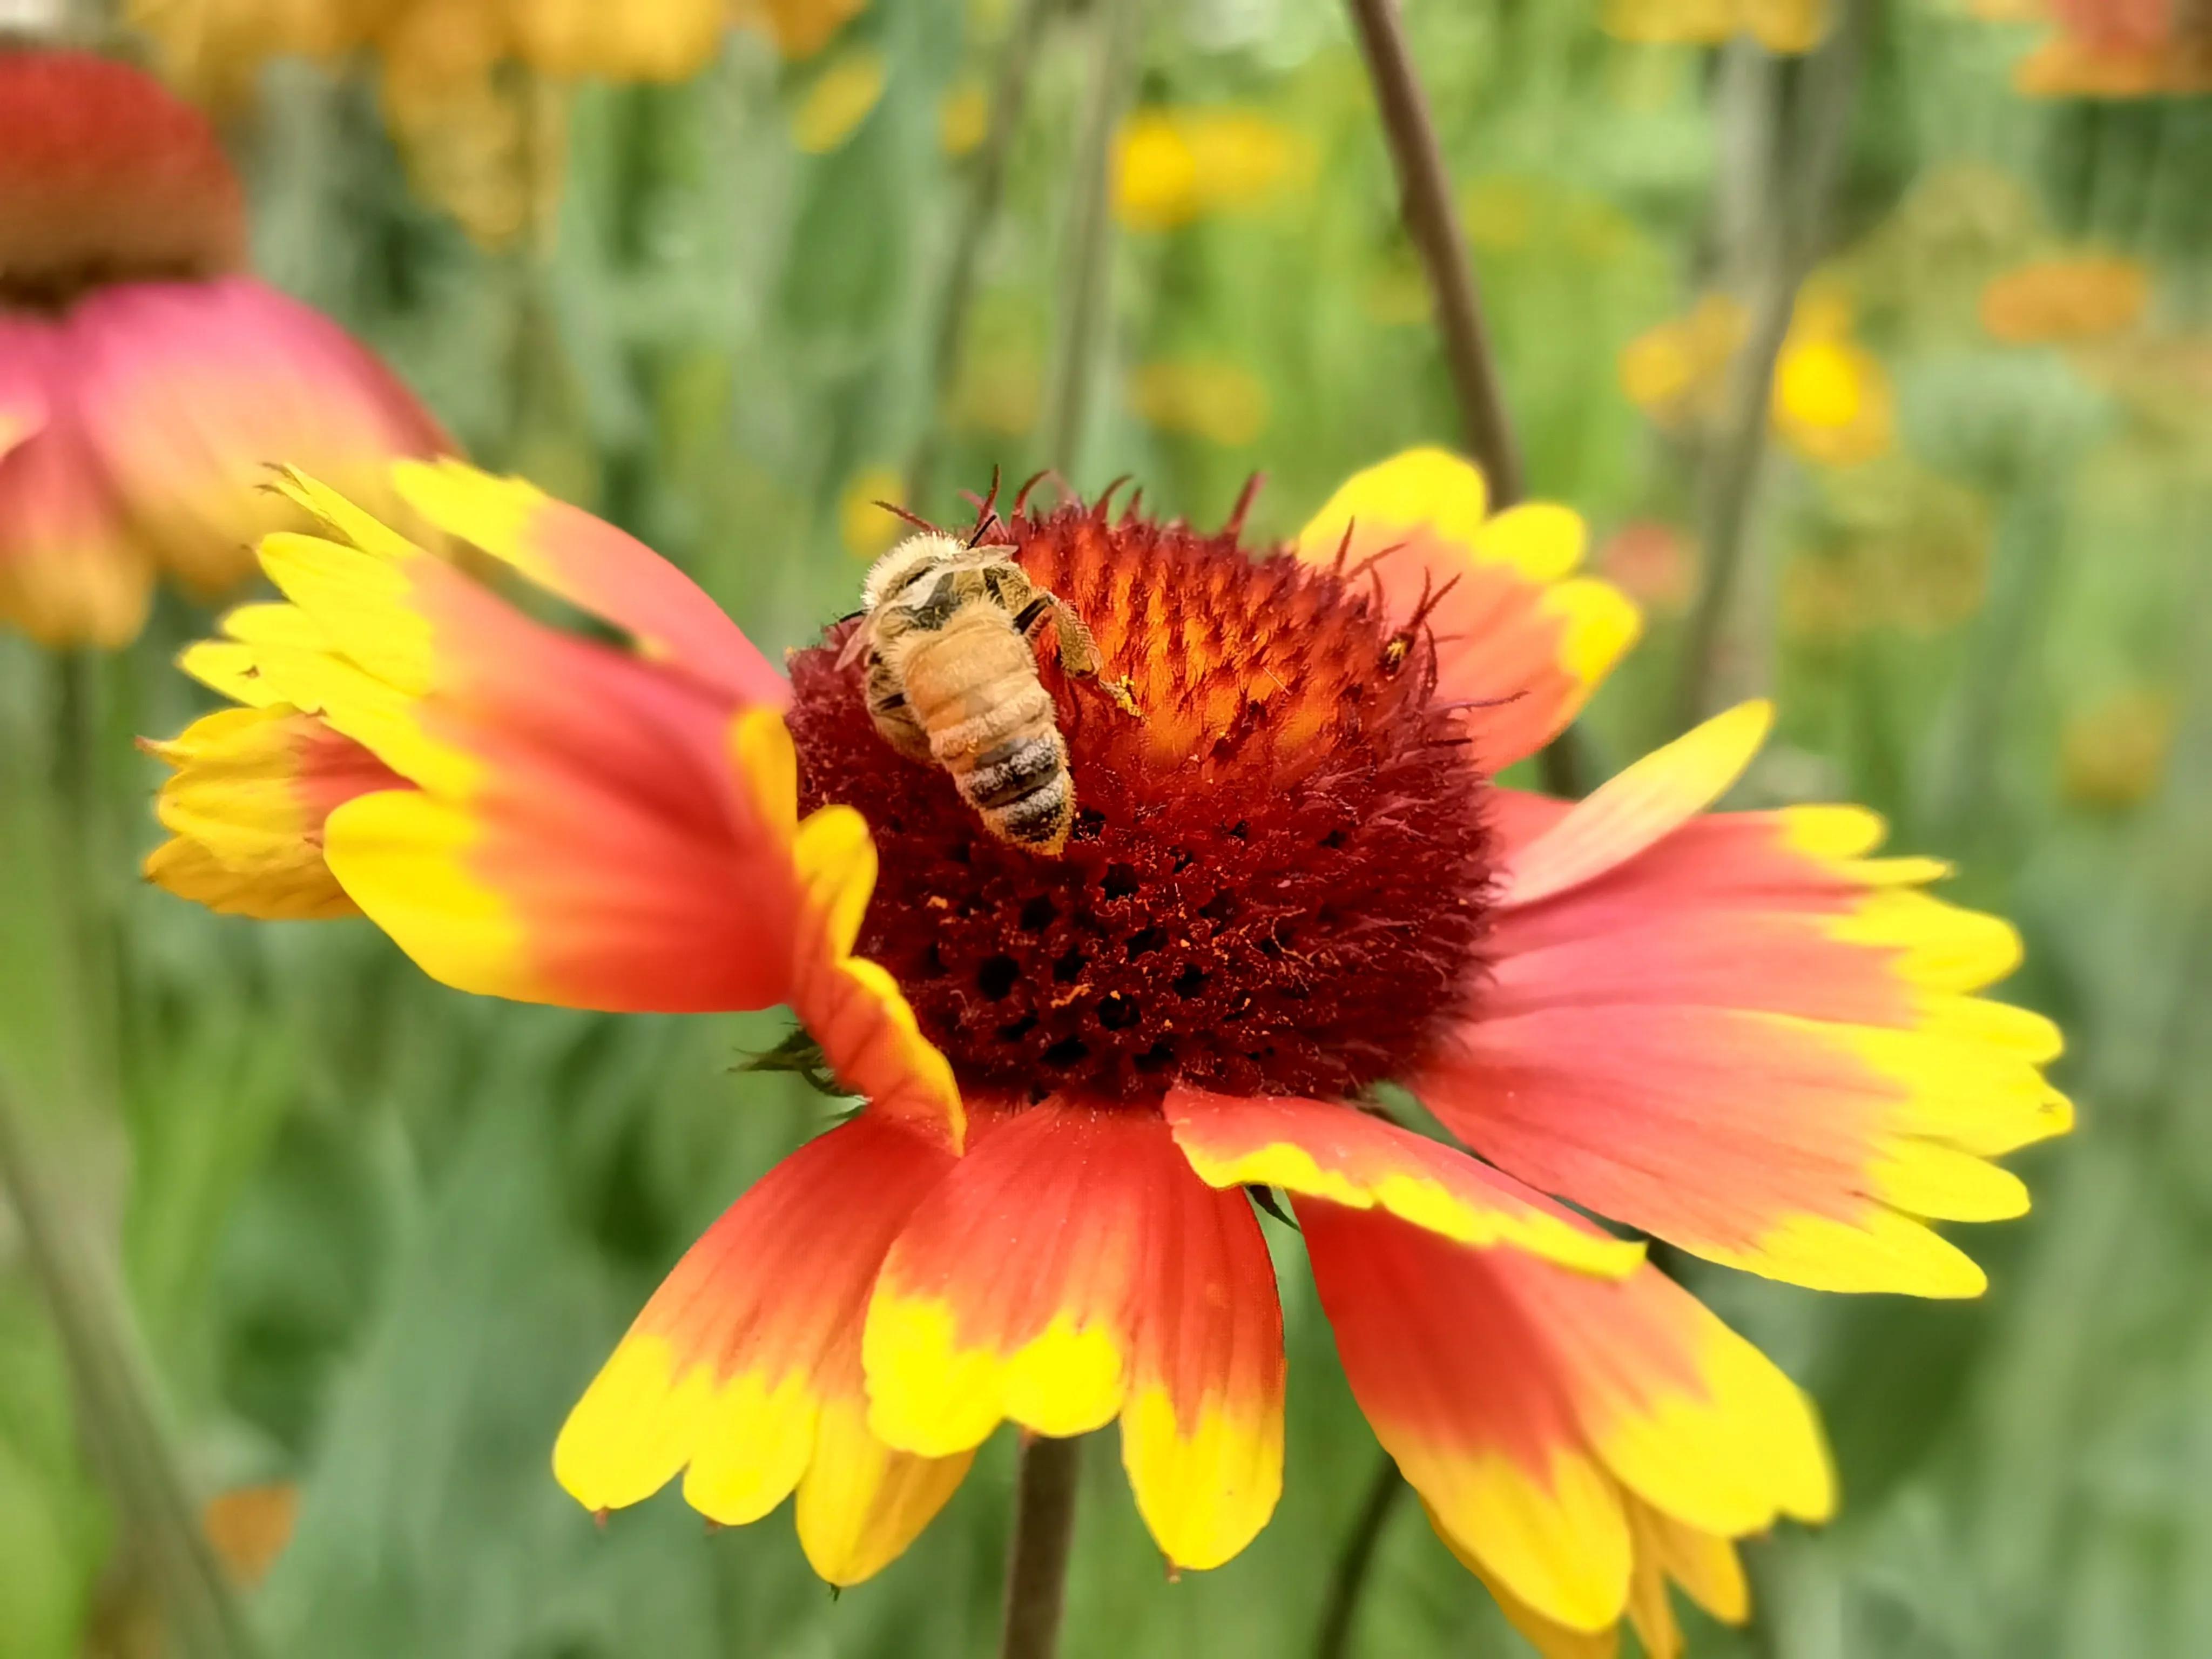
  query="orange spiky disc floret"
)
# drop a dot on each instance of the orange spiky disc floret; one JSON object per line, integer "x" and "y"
{"x": 105, "y": 176}
{"x": 1276, "y": 882}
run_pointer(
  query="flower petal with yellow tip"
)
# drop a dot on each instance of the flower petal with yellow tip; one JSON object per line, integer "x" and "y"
{"x": 1531, "y": 1406}
{"x": 1070, "y": 1270}
{"x": 1749, "y": 1039}
{"x": 246, "y": 811}
{"x": 1519, "y": 640}
{"x": 742, "y": 1373}
{"x": 1362, "y": 1162}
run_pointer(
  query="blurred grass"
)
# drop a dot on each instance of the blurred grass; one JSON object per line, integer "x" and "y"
{"x": 377, "y": 1235}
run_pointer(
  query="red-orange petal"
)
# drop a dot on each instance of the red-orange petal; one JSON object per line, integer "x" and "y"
{"x": 70, "y": 572}
{"x": 192, "y": 391}
{"x": 1520, "y": 639}
{"x": 1523, "y": 1401}
{"x": 1751, "y": 1040}
{"x": 598, "y": 568}
{"x": 1071, "y": 1269}
{"x": 744, "y": 1373}
{"x": 577, "y": 833}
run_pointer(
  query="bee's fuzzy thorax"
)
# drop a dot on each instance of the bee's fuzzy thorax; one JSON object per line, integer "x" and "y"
{"x": 1277, "y": 880}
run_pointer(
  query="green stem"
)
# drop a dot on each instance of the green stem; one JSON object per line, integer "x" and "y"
{"x": 1008, "y": 100}
{"x": 122, "y": 1428}
{"x": 1036, "y": 1562}
{"x": 1090, "y": 242}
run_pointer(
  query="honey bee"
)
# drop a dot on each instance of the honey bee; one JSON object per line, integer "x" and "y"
{"x": 952, "y": 680}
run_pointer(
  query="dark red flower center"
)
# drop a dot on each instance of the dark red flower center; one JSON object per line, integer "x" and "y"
{"x": 105, "y": 177}
{"x": 1276, "y": 882}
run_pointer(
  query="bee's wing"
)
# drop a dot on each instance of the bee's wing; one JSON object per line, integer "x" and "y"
{"x": 858, "y": 640}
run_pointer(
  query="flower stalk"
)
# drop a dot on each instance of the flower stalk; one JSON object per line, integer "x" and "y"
{"x": 1433, "y": 223}
{"x": 1089, "y": 250}
{"x": 1009, "y": 102}
{"x": 1799, "y": 175}
{"x": 1036, "y": 1561}
{"x": 121, "y": 1425}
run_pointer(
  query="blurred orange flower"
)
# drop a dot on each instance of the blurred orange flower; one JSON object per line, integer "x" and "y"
{"x": 2083, "y": 296}
{"x": 1655, "y": 564}
{"x": 250, "y": 1525}
{"x": 2121, "y": 49}
{"x": 800, "y": 28}
{"x": 1172, "y": 165}
{"x": 145, "y": 385}
{"x": 1778, "y": 25}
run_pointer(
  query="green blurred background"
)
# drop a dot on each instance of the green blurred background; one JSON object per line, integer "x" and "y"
{"x": 377, "y": 1235}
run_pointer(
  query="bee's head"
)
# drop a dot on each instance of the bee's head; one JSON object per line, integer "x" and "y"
{"x": 906, "y": 564}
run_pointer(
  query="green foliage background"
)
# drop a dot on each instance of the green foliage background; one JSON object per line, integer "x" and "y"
{"x": 377, "y": 1235}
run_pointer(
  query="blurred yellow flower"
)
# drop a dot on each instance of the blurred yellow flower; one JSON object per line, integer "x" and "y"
{"x": 842, "y": 97}
{"x": 1892, "y": 544}
{"x": 1674, "y": 372}
{"x": 1832, "y": 402}
{"x": 963, "y": 119}
{"x": 1499, "y": 211}
{"x": 1777, "y": 25}
{"x": 1208, "y": 397}
{"x": 1172, "y": 165}
{"x": 800, "y": 28}
{"x": 866, "y": 527}
{"x": 455, "y": 76}
{"x": 2086, "y": 296}
{"x": 1832, "y": 398}
{"x": 2112, "y": 753}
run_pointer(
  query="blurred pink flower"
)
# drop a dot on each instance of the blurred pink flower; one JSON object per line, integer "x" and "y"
{"x": 145, "y": 387}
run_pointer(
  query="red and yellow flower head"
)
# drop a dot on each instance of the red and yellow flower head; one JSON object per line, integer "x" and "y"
{"x": 145, "y": 385}
{"x": 1291, "y": 880}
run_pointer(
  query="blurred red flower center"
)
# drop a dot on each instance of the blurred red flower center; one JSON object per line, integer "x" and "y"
{"x": 1276, "y": 881}
{"x": 105, "y": 177}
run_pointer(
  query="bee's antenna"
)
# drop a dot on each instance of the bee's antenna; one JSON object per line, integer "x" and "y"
{"x": 987, "y": 510}
{"x": 1136, "y": 501}
{"x": 914, "y": 519}
{"x": 1245, "y": 497}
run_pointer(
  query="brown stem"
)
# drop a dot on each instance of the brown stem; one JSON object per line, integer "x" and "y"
{"x": 1036, "y": 1561}
{"x": 1433, "y": 223}
{"x": 1346, "y": 1583}
{"x": 1090, "y": 241}
{"x": 1009, "y": 99}
{"x": 1800, "y": 177}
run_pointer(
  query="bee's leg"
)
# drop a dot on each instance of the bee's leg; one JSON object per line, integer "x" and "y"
{"x": 1078, "y": 652}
